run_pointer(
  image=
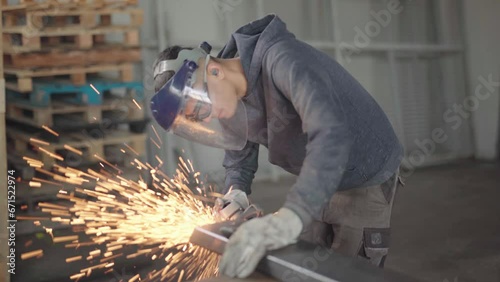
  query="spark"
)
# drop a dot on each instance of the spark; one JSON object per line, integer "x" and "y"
{"x": 34, "y": 140}
{"x": 119, "y": 212}
{"x": 77, "y": 276}
{"x": 95, "y": 89}
{"x": 72, "y": 259}
{"x": 137, "y": 104}
{"x": 50, "y": 130}
{"x": 31, "y": 254}
{"x": 76, "y": 245}
{"x": 41, "y": 170}
{"x": 125, "y": 219}
{"x": 131, "y": 149}
{"x": 35, "y": 165}
{"x": 65, "y": 238}
{"x": 154, "y": 142}
{"x": 156, "y": 133}
{"x": 106, "y": 162}
{"x": 133, "y": 279}
{"x": 31, "y": 218}
{"x": 45, "y": 181}
{"x": 140, "y": 164}
{"x": 160, "y": 162}
{"x": 35, "y": 184}
{"x": 31, "y": 160}
{"x": 49, "y": 205}
{"x": 52, "y": 155}
{"x": 69, "y": 148}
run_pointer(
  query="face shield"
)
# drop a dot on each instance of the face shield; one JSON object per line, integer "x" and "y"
{"x": 183, "y": 106}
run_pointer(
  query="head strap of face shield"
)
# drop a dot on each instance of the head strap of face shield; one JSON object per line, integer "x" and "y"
{"x": 207, "y": 58}
{"x": 190, "y": 55}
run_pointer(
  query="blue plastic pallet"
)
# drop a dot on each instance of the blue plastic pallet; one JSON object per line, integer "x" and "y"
{"x": 85, "y": 94}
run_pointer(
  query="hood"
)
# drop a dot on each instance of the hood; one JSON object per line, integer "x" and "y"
{"x": 251, "y": 42}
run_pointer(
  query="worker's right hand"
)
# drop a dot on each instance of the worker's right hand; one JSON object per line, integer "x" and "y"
{"x": 231, "y": 205}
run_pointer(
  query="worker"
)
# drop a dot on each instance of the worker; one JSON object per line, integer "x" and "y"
{"x": 268, "y": 88}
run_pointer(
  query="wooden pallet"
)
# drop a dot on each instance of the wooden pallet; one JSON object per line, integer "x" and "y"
{"x": 66, "y": 5}
{"x": 39, "y": 20}
{"x": 109, "y": 147}
{"x": 61, "y": 113}
{"x": 93, "y": 93}
{"x": 23, "y": 78}
{"x": 60, "y": 58}
{"x": 21, "y": 39}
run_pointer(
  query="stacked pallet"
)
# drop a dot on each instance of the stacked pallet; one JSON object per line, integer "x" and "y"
{"x": 68, "y": 123}
{"x": 69, "y": 38}
{"x": 72, "y": 97}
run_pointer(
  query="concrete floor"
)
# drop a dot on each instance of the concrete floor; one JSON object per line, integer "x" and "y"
{"x": 445, "y": 223}
{"x": 446, "y": 228}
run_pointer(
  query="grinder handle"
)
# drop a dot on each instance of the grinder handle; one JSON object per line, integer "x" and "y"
{"x": 249, "y": 213}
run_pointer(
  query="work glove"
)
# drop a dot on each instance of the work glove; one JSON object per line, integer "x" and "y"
{"x": 252, "y": 239}
{"x": 231, "y": 205}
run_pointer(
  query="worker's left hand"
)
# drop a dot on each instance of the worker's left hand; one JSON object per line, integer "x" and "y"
{"x": 252, "y": 239}
{"x": 231, "y": 205}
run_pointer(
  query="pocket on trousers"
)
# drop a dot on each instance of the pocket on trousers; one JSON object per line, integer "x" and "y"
{"x": 376, "y": 245}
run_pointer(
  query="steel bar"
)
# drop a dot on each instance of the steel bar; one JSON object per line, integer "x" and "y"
{"x": 302, "y": 261}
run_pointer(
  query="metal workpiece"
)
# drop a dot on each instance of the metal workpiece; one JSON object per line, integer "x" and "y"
{"x": 302, "y": 261}
{"x": 210, "y": 236}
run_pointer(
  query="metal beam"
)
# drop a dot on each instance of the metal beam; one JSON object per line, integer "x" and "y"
{"x": 302, "y": 261}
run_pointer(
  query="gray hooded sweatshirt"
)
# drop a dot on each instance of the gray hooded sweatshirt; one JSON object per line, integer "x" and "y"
{"x": 315, "y": 119}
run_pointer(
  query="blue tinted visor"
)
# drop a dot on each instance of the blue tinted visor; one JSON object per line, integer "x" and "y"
{"x": 168, "y": 102}
{"x": 183, "y": 106}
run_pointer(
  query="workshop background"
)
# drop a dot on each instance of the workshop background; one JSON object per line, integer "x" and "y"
{"x": 83, "y": 69}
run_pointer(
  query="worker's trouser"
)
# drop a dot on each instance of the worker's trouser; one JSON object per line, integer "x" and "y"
{"x": 356, "y": 222}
